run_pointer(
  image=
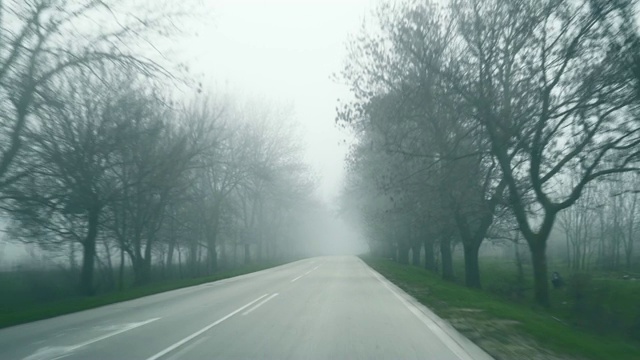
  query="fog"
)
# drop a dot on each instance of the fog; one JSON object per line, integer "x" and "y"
{"x": 286, "y": 52}
{"x": 279, "y": 55}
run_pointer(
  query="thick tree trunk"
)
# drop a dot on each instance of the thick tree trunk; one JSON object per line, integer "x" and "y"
{"x": 141, "y": 271}
{"x": 447, "y": 258}
{"x": 142, "y": 265}
{"x": 89, "y": 253}
{"x": 192, "y": 259}
{"x": 429, "y": 255}
{"x": 110, "y": 273}
{"x": 172, "y": 246}
{"x": 138, "y": 277}
{"x": 540, "y": 276}
{"x": 471, "y": 265}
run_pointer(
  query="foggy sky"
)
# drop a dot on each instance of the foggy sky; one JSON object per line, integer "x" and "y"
{"x": 285, "y": 52}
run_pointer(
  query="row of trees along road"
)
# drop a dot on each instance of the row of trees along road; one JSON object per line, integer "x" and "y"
{"x": 485, "y": 116}
{"x": 95, "y": 154}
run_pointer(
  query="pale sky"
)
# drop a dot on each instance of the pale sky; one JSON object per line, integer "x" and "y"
{"x": 285, "y": 51}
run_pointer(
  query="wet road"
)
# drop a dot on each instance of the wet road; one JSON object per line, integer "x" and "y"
{"x": 318, "y": 308}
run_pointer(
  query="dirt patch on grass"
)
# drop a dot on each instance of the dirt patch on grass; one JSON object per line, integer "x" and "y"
{"x": 501, "y": 338}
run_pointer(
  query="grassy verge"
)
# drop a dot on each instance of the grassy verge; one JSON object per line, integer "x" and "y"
{"x": 11, "y": 315}
{"x": 504, "y": 329}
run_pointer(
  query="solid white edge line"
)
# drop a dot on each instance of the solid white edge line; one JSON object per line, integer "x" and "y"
{"x": 260, "y": 304}
{"x": 195, "y": 334}
{"x": 435, "y": 328}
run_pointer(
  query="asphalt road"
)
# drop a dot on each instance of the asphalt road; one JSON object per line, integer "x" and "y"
{"x": 319, "y": 308}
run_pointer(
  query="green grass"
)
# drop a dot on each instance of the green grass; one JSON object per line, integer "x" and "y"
{"x": 611, "y": 305}
{"x": 488, "y": 313}
{"x": 14, "y": 314}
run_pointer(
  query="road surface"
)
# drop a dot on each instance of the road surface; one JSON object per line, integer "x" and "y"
{"x": 319, "y": 308}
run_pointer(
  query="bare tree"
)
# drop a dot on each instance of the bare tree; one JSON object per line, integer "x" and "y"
{"x": 406, "y": 102}
{"x": 73, "y": 152}
{"x": 551, "y": 84}
{"x": 40, "y": 42}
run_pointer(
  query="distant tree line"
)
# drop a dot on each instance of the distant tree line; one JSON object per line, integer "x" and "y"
{"x": 484, "y": 117}
{"x": 101, "y": 161}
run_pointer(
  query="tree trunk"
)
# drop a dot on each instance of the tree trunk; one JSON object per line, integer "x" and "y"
{"x": 540, "y": 276}
{"x": 142, "y": 265}
{"x": 429, "y": 255}
{"x": 89, "y": 253}
{"x": 566, "y": 238}
{"x": 172, "y": 246}
{"x": 212, "y": 258}
{"x": 212, "y": 242}
{"x": 471, "y": 265}
{"x": 110, "y": 273}
{"x": 146, "y": 262}
{"x": 141, "y": 271}
{"x": 172, "y": 243}
{"x": 447, "y": 258}
{"x": 630, "y": 227}
{"x": 192, "y": 259}
{"x": 180, "y": 263}
{"x": 520, "y": 268}
{"x": 72, "y": 257}
{"x": 121, "y": 271}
